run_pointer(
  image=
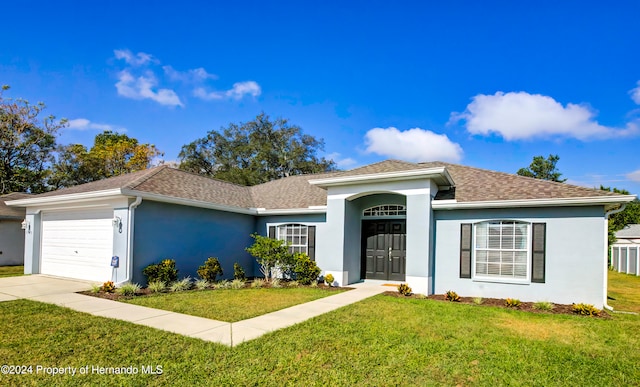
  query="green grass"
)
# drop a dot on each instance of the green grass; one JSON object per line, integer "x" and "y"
{"x": 625, "y": 288}
{"x": 231, "y": 305}
{"x": 11, "y": 271}
{"x": 379, "y": 341}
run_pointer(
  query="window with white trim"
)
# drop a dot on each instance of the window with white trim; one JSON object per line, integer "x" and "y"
{"x": 501, "y": 250}
{"x": 296, "y": 235}
{"x": 386, "y": 210}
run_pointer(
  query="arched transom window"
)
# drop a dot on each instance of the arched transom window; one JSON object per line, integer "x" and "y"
{"x": 386, "y": 210}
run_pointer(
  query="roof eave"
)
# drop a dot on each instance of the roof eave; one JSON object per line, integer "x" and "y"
{"x": 439, "y": 174}
{"x": 607, "y": 201}
{"x": 292, "y": 211}
{"x": 61, "y": 199}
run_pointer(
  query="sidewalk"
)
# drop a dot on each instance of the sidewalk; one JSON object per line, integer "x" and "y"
{"x": 61, "y": 292}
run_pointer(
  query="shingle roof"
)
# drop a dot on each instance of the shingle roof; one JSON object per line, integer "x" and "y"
{"x": 471, "y": 185}
{"x": 630, "y": 231}
{"x": 12, "y": 212}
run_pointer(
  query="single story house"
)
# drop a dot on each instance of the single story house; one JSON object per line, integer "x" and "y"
{"x": 436, "y": 226}
{"x": 625, "y": 253}
{"x": 11, "y": 233}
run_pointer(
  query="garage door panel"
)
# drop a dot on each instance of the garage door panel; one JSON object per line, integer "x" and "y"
{"x": 77, "y": 244}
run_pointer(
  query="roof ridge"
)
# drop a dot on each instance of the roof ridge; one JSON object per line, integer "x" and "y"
{"x": 149, "y": 173}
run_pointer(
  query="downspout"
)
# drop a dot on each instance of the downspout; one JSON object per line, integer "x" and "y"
{"x": 606, "y": 242}
{"x": 130, "y": 225}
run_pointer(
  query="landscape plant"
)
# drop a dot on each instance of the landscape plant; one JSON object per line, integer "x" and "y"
{"x": 270, "y": 254}
{"x": 452, "y": 296}
{"x": 237, "y": 284}
{"x": 202, "y": 284}
{"x": 108, "y": 287}
{"x": 305, "y": 270}
{"x": 329, "y": 279}
{"x": 156, "y": 286}
{"x": 512, "y": 302}
{"x": 258, "y": 283}
{"x": 586, "y": 310}
{"x": 238, "y": 272}
{"x": 210, "y": 270}
{"x": 128, "y": 289}
{"x": 164, "y": 271}
{"x": 543, "y": 305}
{"x": 404, "y": 289}
{"x": 182, "y": 285}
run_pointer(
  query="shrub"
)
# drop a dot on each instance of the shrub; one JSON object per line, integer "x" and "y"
{"x": 108, "y": 287}
{"x": 543, "y": 305}
{"x": 164, "y": 271}
{"x": 238, "y": 272}
{"x": 404, "y": 289}
{"x": 451, "y": 296}
{"x": 305, "y": 269}
{"x": 258, "y": 283}
{"x": 586, "y": 310}
{"x": 156, "y": 286}
{"x": 512, "y": 302}
{"x": 237, "y": 284}
{"x": 275, "y": 283}
{"x": 210, "y": 270}
{"x": 222, "y": 285}
{"x": 314, "y": 284}
{"x": 96, "y": 288}
{"x": 270, "y": 253}
{"x": 329, "y": 279}
{"x": 293, "y": 284}
{"x": 202, "y": 284}
{"x": 421, "y": 296}
{"x": 182, "y": 285}
{"x": 128, "y": 289}
{"x": 478, "y": 300}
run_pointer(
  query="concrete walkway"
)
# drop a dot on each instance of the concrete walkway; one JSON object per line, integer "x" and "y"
{"x": 61, "y": 292}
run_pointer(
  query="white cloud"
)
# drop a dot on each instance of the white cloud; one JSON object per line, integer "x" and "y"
{"x": 412, "y": 145}
{"x": 635, "y": 94}
{"x": 141, "y": 88}
{"x": 634, "y": 176}
{"x": 85, "y": 124}
{"x": 517, "y": 116}
{"x": 191, "y": 76}
{"x": 341, "y": 162}
{"x": 237, "y": 92}
{"x": 132, "y": 59}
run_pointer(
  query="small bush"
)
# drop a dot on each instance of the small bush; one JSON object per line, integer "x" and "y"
{"x": 451, "y": 296}
{"x": 305, "y": 269}
{"x": 96, "y": 288}
{"x": 222, "y": 285}
{"x": 258, "y": 283}
{"x": 164, "y": 271}
{"x": 210, "y": 270}
{"x": 182, "y": 285}
{"x": 404, "y": 289}
{"x": 293, "y": 284}
{"x": 313, "y": 284}
{"x": 586, "y": 310}
{"x": 329, "y": 279}
{"x": 156, "y": 286}
{"x": 421, "y": 296}
{"x": 237, "y": 284}
{"x": 478, "y": 300}
{"x": 238, "y": 272}
{"x": 202, "y": 284}
{"x": 512, "y": 303}
{"x": 276, "y": 283}
{"x": 108, "y": 287}
{"x": 543, "y": 305}
{"x": 128, "y": 289}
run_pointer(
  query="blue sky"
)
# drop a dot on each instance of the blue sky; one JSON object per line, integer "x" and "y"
{"x": 487, "y": 84}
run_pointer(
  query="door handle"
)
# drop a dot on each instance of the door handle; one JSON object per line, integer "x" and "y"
{"x": 389, "y": 254}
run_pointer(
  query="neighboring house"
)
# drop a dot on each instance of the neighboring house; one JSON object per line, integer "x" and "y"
{"x": 625, "y": 253}
{"x": 11, "y": 233}
{"x": 436, "y": 226}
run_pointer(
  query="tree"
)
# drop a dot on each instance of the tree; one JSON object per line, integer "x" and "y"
{"x": 255, "y": 152}
{"x": 544, "y": 169}
{"x": 271, "y": 254}
{"x": 112, "y": 154}
{"x": 27, "y": 143}
{"x": 630, "y": 215}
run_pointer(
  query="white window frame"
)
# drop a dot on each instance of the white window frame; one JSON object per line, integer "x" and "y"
{"x": 499, "y": 278}
{"x": 294, "y": 247}
{"x": 399, "y": 209}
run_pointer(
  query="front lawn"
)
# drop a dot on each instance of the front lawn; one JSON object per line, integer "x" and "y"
{"x": 232, "y": 305}
{"x": 624, "y": 292}
{"x": 11, "y": 271}
{"x": 379, "y": 341}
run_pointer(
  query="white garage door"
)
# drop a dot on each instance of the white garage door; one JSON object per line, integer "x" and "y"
{"x": 77, "y": 244}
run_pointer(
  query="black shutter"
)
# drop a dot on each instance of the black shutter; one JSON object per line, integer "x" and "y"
{"x": 465, "y": 250}
{"x": 272, "y": 232}
{"x": 538, "y": 243}
{"x": 311, "y": 242}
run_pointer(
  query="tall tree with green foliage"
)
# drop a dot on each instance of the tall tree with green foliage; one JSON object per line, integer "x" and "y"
{"x": 630, "y": 215}
{"x": 27, "y": 145}
{"x": 255, "y": 152}
{"x": 545, "y": 169}
{"x": 112, "y": 154}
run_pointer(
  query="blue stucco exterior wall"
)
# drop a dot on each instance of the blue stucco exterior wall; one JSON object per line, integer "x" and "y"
{"x": 190, "y": 235}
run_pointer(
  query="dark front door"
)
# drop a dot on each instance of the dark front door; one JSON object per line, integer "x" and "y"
{"x": 384, "y": 249}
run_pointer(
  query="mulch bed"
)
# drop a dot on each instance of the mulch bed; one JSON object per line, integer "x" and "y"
{"x": 500, "y": 303}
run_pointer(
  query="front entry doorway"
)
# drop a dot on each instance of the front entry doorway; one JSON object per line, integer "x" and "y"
{"x": 384, "y": 249}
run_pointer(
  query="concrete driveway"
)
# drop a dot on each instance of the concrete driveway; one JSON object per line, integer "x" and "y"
{"x": 37, "y": 287}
